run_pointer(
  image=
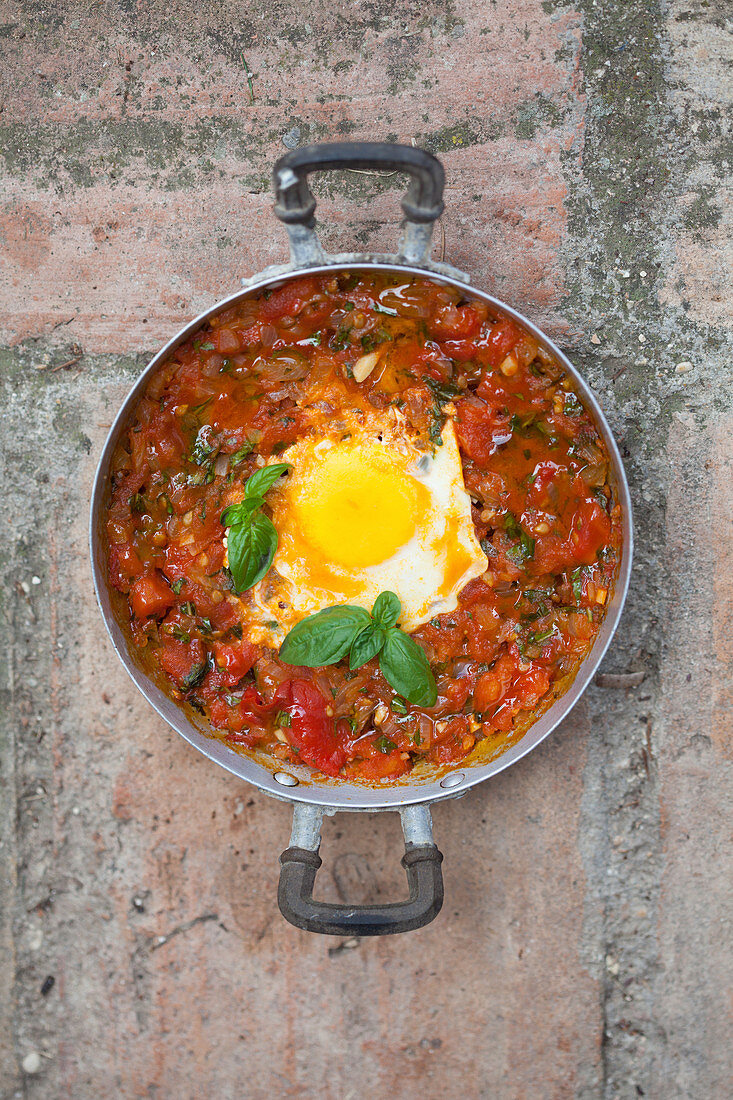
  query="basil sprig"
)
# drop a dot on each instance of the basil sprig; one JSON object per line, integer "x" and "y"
{"x": 328, "y": 636}
{"x": 251, "y": 537}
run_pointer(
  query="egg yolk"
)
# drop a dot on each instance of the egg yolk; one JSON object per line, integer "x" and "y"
{"x": 358, "y": 508}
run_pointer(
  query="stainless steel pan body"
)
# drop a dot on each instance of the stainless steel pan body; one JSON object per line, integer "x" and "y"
{"x": 313, "y": 798}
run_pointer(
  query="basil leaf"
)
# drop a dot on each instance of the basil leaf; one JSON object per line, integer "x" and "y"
{"x": 324, "y": 638}
{"x": 241, "y": 513}
{"x": 264, "y": 479}
{"x": 386, "y": 610}
{"x": 251, "y": 548}
{"x": 405, "y": 667}
{"x": 367, "y": 645}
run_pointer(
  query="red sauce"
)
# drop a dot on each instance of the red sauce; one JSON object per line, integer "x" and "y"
{"x": 250, "y": 384}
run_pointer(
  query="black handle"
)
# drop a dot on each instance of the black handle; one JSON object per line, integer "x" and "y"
{"x": 301, "y": 861}
{"x": 295, "y": 897}
{"x": 296, "y": 205}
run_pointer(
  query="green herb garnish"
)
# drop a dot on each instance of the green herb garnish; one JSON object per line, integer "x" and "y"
{"x": 252, "y": 538}
{"x": 239, "y": 456}
{"x": 328, "y": 636}
{"x": 571, "y": 405}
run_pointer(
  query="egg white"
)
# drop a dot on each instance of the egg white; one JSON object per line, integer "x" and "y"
{"x": 427, "y": 572}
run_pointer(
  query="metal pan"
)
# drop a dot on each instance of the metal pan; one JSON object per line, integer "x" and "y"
{"x": 312, "y": 797}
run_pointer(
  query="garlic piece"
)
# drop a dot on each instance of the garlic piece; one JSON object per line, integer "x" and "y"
{"x": 363, "y": 367}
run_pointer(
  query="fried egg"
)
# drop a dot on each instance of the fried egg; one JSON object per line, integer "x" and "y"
{"x": 364, "y": 509}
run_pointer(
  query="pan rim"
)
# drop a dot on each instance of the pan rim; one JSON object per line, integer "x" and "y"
{"x": 342, "y": 795}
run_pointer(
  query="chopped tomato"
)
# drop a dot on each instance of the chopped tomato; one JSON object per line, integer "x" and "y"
{"x": 480, "y": 430}
{"x": 383, "y": 765}
{"x": 288, "y": 300}
{"x": 455, "y": 323}
{"x": 183, "y": 662}
{"x": 151, "y": 596}
{"x": 499, "y": 342}
{"x": 591, "y": 530}
{"x": 234, "y": 660}
{"x": 312, "y": 730}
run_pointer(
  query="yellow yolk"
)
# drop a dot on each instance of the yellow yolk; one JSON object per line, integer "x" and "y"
{"x": 359, "y": 509}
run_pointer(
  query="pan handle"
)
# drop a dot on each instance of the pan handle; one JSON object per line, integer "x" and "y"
{"x": 300, "y": 862}
{"x": 295, "y": 204}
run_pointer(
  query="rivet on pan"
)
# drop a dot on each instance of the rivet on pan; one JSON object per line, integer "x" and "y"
{"x": 285, "y": 779}
{"x": 452, "y": 780}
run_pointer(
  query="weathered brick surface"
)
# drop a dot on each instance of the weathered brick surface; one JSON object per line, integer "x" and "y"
{"x": 582, "y": 951}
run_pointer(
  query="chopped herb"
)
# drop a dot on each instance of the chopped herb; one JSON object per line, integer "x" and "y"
{"x": 442, "y": 391}
{"x": 200, "y": 408}
{"x": 205, "y": 446}
{"x": 180, "y": 634}
{"x": 379, "y": 308}
{"x": 436, "y": 431}
{"x": 384, "y": 744}
{"x": 195, "y": 676}
{"x": 416, "y": 739}
{"x": 188, "y": 608}
{"x": 511, "y": 526}
{"x": 339, "y": 341}
{"x": 521, "y": 423}
{"x": 572, "y": 406}
{"x": 348, "y": 306}
{"x": 227, "y": 579}
{"x": 315, "y": 340}
{"x": 282, "y": 719}
{"x": 207, "y": 347}
{"x": 206, "y": 626}
{"x": 137, "y": 503}
{"x": 239, "y": 456}
{"x": 527, "y": 545}
{"x": 577, "y": 581}
{"x": 279, "y": 447}
{"x": 525, "y": 550}
{"x": 272, "y": 624}
{"x": 602, "y": 499}
{"x": 177, "y": 585}
{"x": 399, "y": 706}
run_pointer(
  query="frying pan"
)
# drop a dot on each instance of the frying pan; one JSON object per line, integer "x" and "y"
{"x": 313, "y": 796}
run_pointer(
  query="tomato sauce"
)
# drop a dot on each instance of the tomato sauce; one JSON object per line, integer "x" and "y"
{"x": 249, "y": 385}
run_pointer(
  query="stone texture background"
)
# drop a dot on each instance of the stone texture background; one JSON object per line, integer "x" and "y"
{"x": 584, "y": 949}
